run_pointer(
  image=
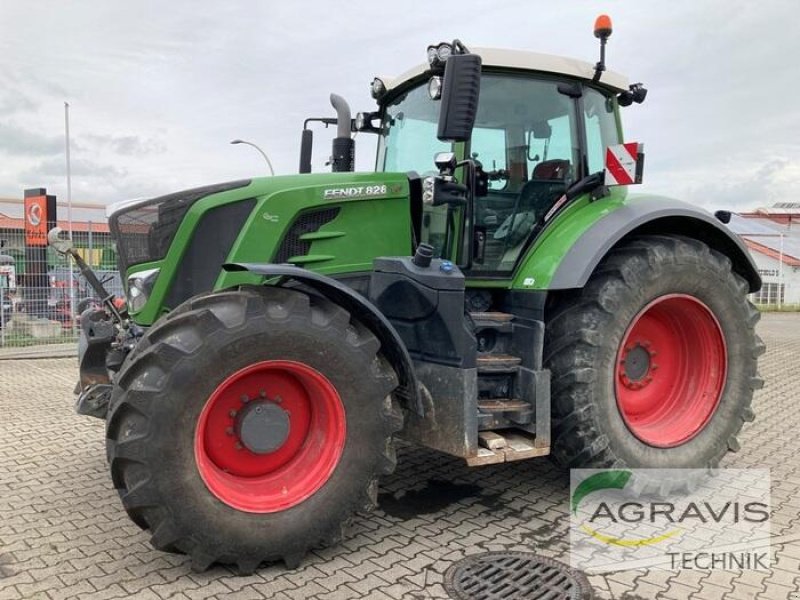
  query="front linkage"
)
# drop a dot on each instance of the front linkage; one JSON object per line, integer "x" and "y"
{"x": 108, "y": 335}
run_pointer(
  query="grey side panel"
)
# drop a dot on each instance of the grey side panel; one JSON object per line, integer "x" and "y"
{"x": 656, "y": 215}
{"x": 391, "y": 344}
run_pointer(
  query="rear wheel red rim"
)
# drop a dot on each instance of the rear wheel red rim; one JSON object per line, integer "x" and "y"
{"x": 670, "y": 370}
{"x": 270, "y": 436}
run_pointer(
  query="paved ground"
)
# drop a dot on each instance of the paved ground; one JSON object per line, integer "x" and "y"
{"x": 39, "y": 351}
{"x": 63, "y": 533}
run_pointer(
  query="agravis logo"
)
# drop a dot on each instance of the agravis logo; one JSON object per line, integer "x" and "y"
{"x": 634, "y": 515}
{"x": 604, "y": 481}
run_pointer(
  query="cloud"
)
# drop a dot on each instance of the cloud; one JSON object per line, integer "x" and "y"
{"x": 126, "y": 145}
{"x": 16, "y": 140}
{"x": 82, "y": 168}
{"x": 12, "y": 102}
{"x": 737, "y": 185}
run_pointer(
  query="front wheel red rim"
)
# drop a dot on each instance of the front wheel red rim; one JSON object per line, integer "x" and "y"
{"x": 270, "y": 436}
{"x": 670, "y": 370}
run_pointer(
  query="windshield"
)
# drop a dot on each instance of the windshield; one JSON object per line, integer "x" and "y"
{"x": 409, "y": 141}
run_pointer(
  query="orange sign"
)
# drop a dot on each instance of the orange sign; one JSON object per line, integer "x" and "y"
{"x": 36, "y": 221}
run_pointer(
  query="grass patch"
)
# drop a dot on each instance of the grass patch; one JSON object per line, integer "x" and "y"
{"x": 18, "y": 340}
{"x": 776, "y": 308}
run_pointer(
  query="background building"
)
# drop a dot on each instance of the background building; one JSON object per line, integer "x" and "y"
{"x": 773, "y": 236}
{"x": 90, "y": 235}
{"x": 36, "y": 285}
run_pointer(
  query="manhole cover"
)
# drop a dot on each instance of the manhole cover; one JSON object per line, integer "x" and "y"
{"x": 514, "y": 575}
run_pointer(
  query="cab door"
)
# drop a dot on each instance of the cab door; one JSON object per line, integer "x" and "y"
{"x": 527, "y": 138}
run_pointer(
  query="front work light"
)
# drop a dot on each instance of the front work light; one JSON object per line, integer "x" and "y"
{"x": 435, "y": 87}
{"x": 427, "y": 190}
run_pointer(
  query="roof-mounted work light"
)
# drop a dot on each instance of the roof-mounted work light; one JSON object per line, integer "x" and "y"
{"x": 377, "y": 88}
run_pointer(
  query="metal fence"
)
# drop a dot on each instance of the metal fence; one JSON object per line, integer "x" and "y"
{"x": 42, "y": 293}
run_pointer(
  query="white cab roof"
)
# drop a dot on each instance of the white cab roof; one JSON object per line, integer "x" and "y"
{"x": 528, "y": 61}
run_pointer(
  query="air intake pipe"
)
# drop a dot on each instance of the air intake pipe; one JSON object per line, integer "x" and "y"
{"x": 344, "y": 148}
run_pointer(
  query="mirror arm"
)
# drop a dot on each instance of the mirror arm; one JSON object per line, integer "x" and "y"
{"x": 64, "y": 247}
{"x": 469, "y": 210}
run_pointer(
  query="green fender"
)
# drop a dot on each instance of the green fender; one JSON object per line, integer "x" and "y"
{"x": 572, "y": 246}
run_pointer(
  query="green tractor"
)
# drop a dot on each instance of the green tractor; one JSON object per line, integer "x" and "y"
{"x": 491, "y": 291}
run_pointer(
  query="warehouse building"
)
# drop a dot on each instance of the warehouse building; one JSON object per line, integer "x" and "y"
{"x": 773, "y": 236}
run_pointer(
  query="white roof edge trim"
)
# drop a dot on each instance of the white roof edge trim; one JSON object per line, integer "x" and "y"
{"x": 122, "y": 204}
{"x": 528, "y": 61}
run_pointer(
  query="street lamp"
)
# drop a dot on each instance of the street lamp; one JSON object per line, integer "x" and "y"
{"x": 264, "y": 154}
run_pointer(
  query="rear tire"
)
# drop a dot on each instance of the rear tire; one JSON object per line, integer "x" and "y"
{"x": 308, "y": 362}
{"x": 684, "y": 297}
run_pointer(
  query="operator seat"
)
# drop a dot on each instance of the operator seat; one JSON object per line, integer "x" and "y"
{"x": 548, "y": 181}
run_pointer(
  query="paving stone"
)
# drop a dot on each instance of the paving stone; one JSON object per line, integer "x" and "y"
{"x": 65, "y": 535}
{"x": 709, "y": 591}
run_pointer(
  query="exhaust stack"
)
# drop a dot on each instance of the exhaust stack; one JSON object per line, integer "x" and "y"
{"x": 344, "y": 148}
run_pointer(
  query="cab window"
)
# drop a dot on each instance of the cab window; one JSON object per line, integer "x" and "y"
{"x": 492, "y": 147}
{"x": 601, "y": 128}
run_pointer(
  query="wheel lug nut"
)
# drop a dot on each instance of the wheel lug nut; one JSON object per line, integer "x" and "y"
{"x": 232, "y": 413}
{"x": 238, "y": 446}
{"x": 229, "y": 431}
{"x": 278, "y": 399}
{"x": 263, "y": 394}
{"x": 245, "y": 399}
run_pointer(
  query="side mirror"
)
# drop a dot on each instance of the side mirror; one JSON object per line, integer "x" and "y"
{"x": 306, "y": 145}
{"x": 462, "y": 87}
{"x": 624, "y": 164}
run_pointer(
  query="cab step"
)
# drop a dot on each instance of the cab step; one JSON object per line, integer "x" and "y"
{"x": 496, "y": 320}
{"x": 506, "y": 446}
{"x": 502, "y": 405}
{"x": 498, "y": 363}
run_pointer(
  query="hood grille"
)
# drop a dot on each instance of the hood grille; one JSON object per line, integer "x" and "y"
{"x": 308, "y": 222}
{"x": 144, "y": 232}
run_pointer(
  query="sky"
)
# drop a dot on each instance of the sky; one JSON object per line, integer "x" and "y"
{"x": 157, "y": 90}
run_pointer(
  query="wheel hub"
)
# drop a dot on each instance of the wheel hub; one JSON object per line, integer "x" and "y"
{"x": 636, "y": 365}
{"x": 262, "y": 427}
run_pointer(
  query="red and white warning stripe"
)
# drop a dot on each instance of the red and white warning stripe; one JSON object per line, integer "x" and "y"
{"x": 622, "y": 163}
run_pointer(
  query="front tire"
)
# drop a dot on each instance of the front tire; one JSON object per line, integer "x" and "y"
{"x": 250, "y": 426}
{"x": 654, "y": 361}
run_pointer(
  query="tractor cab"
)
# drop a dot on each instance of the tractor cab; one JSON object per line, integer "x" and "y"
{"x": 535, "y": 134}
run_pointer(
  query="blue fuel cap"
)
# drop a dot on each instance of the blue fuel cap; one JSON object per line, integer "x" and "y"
{"x": 446, "y": 266}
